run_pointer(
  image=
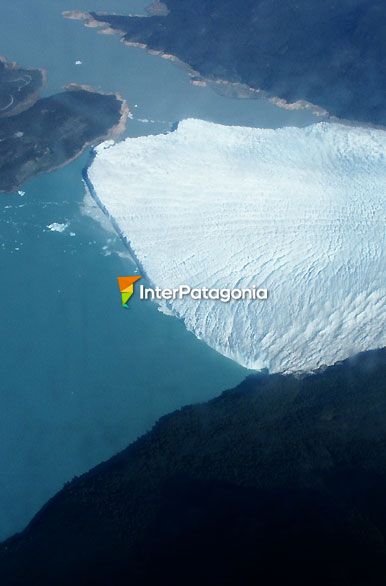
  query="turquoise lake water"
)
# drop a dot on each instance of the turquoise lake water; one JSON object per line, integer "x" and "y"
{"x": 81, "y": 378}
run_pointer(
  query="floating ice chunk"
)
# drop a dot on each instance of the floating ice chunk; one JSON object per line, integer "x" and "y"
{"x": 298, "y": 211}
{"x": 56, "y": 227}
{"x": 77, "y": 62}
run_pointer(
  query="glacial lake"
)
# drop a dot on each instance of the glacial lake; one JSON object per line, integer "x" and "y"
{"x": 80, "y": 377}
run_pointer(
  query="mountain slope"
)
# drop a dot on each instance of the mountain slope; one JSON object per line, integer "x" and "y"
{"x": 281, "y": 480}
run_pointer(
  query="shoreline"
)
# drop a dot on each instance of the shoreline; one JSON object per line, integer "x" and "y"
{"x": 224, "y": 87}
{"x": 125, "y": 113}
{"x": 113, "y": 133}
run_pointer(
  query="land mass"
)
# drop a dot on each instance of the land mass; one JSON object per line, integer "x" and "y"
{"x": 279, "y": 481}
{"x": 19, "y": 88}
{"x": 39, "y": 135}
{"x": 330, "y": 54}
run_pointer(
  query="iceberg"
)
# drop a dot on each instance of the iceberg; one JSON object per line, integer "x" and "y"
{"x": 57, "y": 227}
{"x": 299, "y": 211}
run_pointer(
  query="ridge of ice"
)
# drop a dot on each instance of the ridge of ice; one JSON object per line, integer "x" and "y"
{"x": 300, "y": 211}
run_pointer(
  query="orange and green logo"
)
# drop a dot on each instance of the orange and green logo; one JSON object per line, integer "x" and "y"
{"x": 126, "y": 287}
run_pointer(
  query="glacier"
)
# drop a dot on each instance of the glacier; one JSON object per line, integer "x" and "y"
{"x": 300, "y": 211}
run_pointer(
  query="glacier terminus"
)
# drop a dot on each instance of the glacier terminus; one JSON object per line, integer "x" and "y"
{"x": 300, "y": 211}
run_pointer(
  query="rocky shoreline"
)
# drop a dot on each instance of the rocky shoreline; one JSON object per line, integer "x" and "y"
{"x": 36, "y": 138}
{"x": 289, "y": 77}
{"x": 223, "y": 86}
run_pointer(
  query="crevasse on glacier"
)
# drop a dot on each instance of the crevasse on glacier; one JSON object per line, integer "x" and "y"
{"x": 299, "y": 211}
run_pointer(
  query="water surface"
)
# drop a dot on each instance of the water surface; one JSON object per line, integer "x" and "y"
{"x": 81, "y": 377}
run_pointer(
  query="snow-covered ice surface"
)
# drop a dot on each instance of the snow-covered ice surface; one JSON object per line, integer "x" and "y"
{"x": 299, "y": 211}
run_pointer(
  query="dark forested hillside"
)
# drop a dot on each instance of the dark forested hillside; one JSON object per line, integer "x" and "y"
{"x": 279, "y": 481}
{"x": 329, "y": 53}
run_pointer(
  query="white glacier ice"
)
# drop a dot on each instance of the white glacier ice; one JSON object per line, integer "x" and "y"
{"x": 56, "y": 227}
{"x": 299, "y": 211}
